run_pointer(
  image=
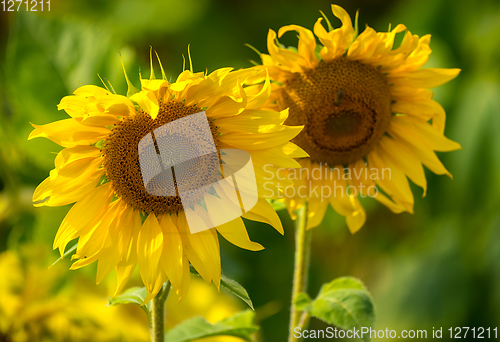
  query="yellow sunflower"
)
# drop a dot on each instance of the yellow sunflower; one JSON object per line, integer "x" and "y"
{"x": 370, "y": 120}
{"x": 116, "y": 221}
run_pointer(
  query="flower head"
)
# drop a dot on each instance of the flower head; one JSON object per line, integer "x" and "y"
{"x": 369, "y": 117}
{"x": 116, "y": 221}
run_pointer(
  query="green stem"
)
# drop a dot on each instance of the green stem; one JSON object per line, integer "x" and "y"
{"x": 301, "y": 271}
{"x": 158, "y": 314}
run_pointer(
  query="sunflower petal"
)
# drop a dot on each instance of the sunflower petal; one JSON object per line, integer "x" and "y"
{"x": 235, "y": 232}
{"x": 337, "y": 41}
{"x": 172, "y": 260}
{"x": 307, "y": 43}
{"x": 257, "y": 101}
{"x": 110, "y": 253}
{"x": 420, "y": 148}
{"x": 287, "y": 58}
{"x": 81, "y": 216}
{"x": 426, "y": 78}
{"x": 201, "y": 250}
{"x": 69, "y": 133}
{"x": 316, "y": 212}
{"x": 410, "y": 126}
{"x": 395, "y": 184}
{"x": 64, "y": 188}
{"x": 264, "y": 212}
{"x": 91, "y": 90}
{"x": 345, "y": 203}
{"x": 149, "y": 250}
{"x": 128, "y": 261}
{"x": 249, "y": 141}
{"x": 405, "y": 160}
{"x": 73, "y": 105}
{"x": 148, "y": 103}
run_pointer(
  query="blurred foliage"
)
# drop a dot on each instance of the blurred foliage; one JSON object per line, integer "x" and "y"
{"x": 438, "y": 267}
{"x": 38, "y": 305}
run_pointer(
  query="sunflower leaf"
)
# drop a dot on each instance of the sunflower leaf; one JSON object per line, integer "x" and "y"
{"x": 344, "y": 302}
{"x": 233, "y": 287}
{"x": 302, "y": 301}
{"x": 133, "y": 295}
{"x": 240, "y": 325}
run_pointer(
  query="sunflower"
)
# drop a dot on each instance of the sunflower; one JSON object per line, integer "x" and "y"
{"x": 116, "y": 221}
{"x": 370, "y": 120}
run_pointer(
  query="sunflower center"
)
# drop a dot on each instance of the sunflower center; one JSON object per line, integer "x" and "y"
{"x": 122, "y": 165}
{"x": 345, "y": 107}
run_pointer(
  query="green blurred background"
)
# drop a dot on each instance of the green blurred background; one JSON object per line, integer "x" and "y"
{"x": 437, "y": 268}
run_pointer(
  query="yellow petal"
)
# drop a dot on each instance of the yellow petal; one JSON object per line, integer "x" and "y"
{"x": 117, "y": 105}
{"x": 426, "y": 78}
{"x": 228, "y": 105}
{"x": 149, "y": 250}
{"x": 285, "y": 57}
{"x": 264, "y": 212}
{"x": 173, "y": 260}
{"x": 69, "y": 133}
{"x": 91, "y": 242}
{"x": 410, "y": 126}
{"x": 69, "y": 155}
{"x": 420, "y": 148}
{"x": 424, "y": 110}
{"x": 251, "y": 141}
{"x": 73, "y": 105}
{"x": 110, "y": 252}
{"x": 100, "y": 120}
{"x": 148, "y": 102}
{"x": 236, "y": 233}
{"x": 307, "y": 43}
{"x": 405, "y": 160}
{"x": 278, "y": 156}
{"x": 82, "y": 214}
{"x": 59, "y": 189}
{"x": 201, "y": 249}
{"x": 316, "y": 211}
{"x": 91, "y": 90}
{"x": 345, "y": 203}
{"x": 337, "y": 41}
{"x": 391, "y": 179}
{"x": 252, "y": 121}
{"x": 194, "y": 259}
{"x": 126, "y": 266}
{"x": 361, "y": 179}
{"x": 257, "y": 101}
{"x": 364, "y": 45}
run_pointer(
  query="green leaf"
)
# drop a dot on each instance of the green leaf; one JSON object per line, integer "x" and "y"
{"x": 133, "y": 295}
{"x": 233, "y": 287}
{"x": 302, "y": 302}
{"x": 344, "y": 302}
{"x": 68, "y": 252}
{"x": 240, "y": 325}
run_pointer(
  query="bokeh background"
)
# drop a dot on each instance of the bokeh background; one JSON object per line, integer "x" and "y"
{"x": 437, "y": 268}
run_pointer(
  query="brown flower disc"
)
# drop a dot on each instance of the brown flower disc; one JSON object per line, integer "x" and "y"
{"x": 345, "y": 106}
{"x": 121, "y": 159}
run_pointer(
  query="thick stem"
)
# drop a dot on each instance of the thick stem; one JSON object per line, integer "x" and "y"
{"x": 158, "y": 314}
{"x": 301, "y": 271}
